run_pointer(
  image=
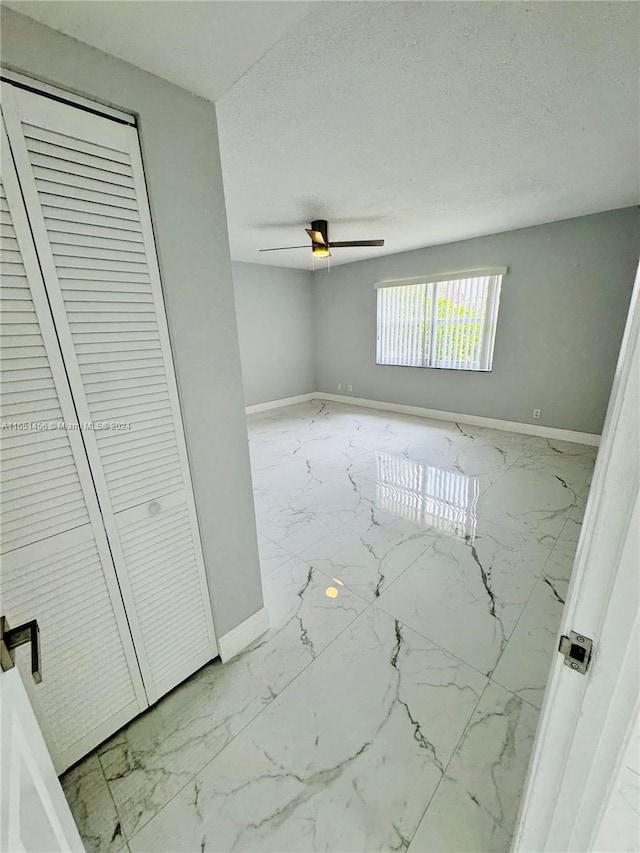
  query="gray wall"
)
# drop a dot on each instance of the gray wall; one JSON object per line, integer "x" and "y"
{"x": 182, "y": 165}
{"x": 562, "y": 313}
{"x": 274, "y": 307}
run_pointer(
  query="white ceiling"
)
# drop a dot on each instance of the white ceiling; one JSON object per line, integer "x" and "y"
{"x": 202, "y": 46}
{"x": 430, "y": 122}
{"x": 419, "y": 122}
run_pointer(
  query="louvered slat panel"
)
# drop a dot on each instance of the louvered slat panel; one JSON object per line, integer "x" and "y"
{"x": 26, "y": 453}
{"x": 74, "y": 191}
{"x": 159, "y": 448}
{"x": 26, "y": 348}
{"x": 155, "y": 560}
{"x": 29, "y": 404}
{"x": 63, "y": 218}
{"x": 135, "y": 288}
{"x": 37, "y": 460}
{"x": 42, "y": 525}
{"x": 8, "y": 240}
{"x": 141, "y": 464}
{"x": 64, "y": 160}
{"x": 74, "y": 238}
{"x": 152, "y": 438}
{"x": 153, "y": 391}
{"x": 20, "y": 447}
{"x": 58, "y": 179}
{"x": 83, "y": 145}
{"x": 47, "y": 488}
{"x": 47, "y": 500}
{"x": 86, "y": 677}
{"x": 81, "y": 232}
{"x": 94, "y": 208}
{"x": 125, "y": 252}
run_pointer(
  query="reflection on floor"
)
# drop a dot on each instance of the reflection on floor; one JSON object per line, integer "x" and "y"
{"x": 414, "y": 572}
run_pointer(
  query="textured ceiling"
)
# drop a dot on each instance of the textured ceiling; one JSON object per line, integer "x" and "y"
{"x": 425, "y": 123}
{"x": 202, "y": 46}
{"x": 419, "y": 122}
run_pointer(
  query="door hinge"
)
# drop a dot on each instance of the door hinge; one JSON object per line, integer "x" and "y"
{"x": 577, "y": 650}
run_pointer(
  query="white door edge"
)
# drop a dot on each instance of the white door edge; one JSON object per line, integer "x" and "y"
{"x": 34, "y": 813}
{"x": 553, "y": 810}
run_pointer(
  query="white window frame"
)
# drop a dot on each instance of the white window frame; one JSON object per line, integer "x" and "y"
{"x": 484, "y": 361}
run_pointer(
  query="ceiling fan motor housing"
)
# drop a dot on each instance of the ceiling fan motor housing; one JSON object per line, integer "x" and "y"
{"x": 322, "y": 226}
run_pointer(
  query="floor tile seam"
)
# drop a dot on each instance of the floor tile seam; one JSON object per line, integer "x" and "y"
{"x": 566, "y": 522}
{"x": 483, "y": 519}
{"x": 429, "y": 639}
{"x": 512, "y": 466}
{"x": 333, "y": 470}
{"x": 538, "y": 581}
{"x": 444, "y": 534}
{"x": 558, "y": 546}
{"x": 437, "y": 535}
{"x": 493, "y": 482}
{"x": 272, "y": 542}
{"x": 521, "y": 456}
{"x": 265, "y": 573}
{"x": 515, "y": 530}
{"x": 113, "y": 799}
{"x": 490, "y": 682}
{"x": 355, "y": 592}
{"x": 576, "y": 489}
{"x": 513, "y": 693}
{"x": 329, "y": 531}
{"x": 202, "y": 767}
{"x": 250, "y": 722}
{"x": 564, "y": 546}
{"x": 443, "y": 774}
{"x": 329, "y": 577}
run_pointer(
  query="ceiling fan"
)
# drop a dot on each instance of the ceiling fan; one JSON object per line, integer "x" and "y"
{"x": 320, "y": 244}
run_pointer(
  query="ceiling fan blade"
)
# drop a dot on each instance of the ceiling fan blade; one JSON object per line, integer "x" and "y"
{"x": 348, "y": 243}
{"x": 282, "y": 248}
{"x": 316, "y": 236}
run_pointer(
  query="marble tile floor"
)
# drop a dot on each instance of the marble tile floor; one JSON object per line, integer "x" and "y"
{"x": 415, "y": 572}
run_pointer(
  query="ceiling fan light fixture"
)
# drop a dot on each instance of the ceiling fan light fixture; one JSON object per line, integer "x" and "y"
{"x": 321, "y": 252}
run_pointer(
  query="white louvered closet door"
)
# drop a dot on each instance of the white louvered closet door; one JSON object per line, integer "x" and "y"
{"x": 56, "y": 565}
{"x": 83, "y": 183}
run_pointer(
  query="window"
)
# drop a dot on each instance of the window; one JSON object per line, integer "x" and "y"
{"x": 448, "y": 321}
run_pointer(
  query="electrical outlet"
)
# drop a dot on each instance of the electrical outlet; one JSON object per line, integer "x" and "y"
{"x": 349, "y": 387}
{"x": 536, "y": 414}
{"x": 339, "y": 386}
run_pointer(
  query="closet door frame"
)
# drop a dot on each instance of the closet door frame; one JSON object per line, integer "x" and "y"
{"x": 112, "y": 132}
{"x": 57, "y": 365}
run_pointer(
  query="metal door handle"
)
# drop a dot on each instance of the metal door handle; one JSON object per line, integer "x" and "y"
{"x": 11, "y": 638}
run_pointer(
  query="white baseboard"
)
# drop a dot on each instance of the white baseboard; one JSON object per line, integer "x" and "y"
{"x": 279, "y": 404}
{"x": 238, "y": 638}
{"x": 473, "y": 420}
